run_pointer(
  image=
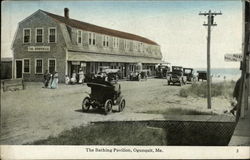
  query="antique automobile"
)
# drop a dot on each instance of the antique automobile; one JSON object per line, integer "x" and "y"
{"x": 113, "y": 74}
{"x": 176, "y": 76}
{"x": 202, "y": 75}
{"x": 104, "y": 95}
{"x": 188, "y": 72}
{"x": 138, "y": 73}
{"x": 162, "y": 71}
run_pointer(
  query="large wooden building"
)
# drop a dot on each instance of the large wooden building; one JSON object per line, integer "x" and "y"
{"x": 45, "y": 41}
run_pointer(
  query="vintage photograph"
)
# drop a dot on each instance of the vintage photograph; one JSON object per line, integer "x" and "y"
{"x": 128, "y": 73}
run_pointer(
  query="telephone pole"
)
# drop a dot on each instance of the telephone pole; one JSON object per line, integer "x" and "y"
{"x": 210, "y": 22}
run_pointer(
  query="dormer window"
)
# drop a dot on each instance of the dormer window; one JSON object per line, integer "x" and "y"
{"x": 92, "y": 38}
{"x": 115, "y": 42}
{"x": 105, "y": 41}
{"x": 39, "y": 35}
{"x": 26, "y": 35}
{"x": 126, "y": 44}
{"x": 52, "y": 35}
{"x": 79, "y": 36}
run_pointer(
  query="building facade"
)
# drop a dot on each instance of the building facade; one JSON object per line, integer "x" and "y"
{"x": 45, "y": 41}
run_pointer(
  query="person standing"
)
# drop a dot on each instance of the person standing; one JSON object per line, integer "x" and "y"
{"x": 50, "y": 80}
{"x": 54, "y": 84}
{"x": 81, "y": 76}
{"x": 73, "y": 78}
{"x": 236, "y": 96}
{"x": 46, "y": 77}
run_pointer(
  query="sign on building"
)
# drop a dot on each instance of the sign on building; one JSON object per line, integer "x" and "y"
{"x": 233, "y": 57}
{"x": 38, "y": 48}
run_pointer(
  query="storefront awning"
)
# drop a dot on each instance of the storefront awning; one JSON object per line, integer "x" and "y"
{"x": 93, "y": 57}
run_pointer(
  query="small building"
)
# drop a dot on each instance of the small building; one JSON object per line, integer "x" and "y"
{"x": 45, "y": 41}
{"x": 6, "y": 68}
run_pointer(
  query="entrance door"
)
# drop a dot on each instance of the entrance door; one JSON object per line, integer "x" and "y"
{"x": 19, "y": 69}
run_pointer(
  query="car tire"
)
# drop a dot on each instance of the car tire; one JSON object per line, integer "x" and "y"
{"x": 85, "y": 104}
{"x": 108, "y": 106}
{"x": 122, "y": 105}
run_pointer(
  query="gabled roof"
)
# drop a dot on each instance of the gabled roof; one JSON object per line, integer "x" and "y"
{"x": 93, "y": 28}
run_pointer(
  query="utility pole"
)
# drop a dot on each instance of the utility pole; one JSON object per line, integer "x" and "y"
{"x": 210, "y": 22}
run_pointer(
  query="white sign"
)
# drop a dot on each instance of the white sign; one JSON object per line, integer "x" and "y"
{"x": 38, "y": 48}
{"x": 233, "y": 57}
{"x": 75, "y": 62}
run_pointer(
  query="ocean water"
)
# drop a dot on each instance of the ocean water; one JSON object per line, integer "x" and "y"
{"x": 221, "y": 74}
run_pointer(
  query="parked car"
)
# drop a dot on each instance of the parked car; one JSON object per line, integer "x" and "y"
{"x": 138, "y": 73}
{"x": 176, "y": 76}
{"x": 202, "y": 75}
{"x": 188, "y": 72}
{"x": 162, "y": 70}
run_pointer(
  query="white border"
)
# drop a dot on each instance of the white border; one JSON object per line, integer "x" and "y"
{"x": 42, "y": 65}
{"x": 36, "y": 35}
{"x": 55, "y": 34}
{"x": 29, "y": 65}
{"x": 30, "y": 35}
{"x": 81, "y": 152}
{"x": 55, "y": 63}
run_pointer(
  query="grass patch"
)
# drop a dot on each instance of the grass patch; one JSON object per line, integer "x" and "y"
{"x": 180, "y": 111}
{"x": 107, "y": 134}
{"x": 200, "y": 89}
{"x": 173, "y": 133}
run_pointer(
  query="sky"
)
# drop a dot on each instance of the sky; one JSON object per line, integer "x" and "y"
{"x": 174, "y": 25}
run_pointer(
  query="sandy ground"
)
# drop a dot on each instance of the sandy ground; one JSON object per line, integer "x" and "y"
{"x": 36, "y": 113}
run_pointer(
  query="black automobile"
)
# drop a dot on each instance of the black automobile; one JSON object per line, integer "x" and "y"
{"x": 104, "y": 95}
{"x": 202, "y": 75}
{"x": 188, "y": 72}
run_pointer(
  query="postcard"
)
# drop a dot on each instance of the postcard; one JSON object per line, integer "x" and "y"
{"x": 125, "y": 80}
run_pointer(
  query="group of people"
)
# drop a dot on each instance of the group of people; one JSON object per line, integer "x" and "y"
{"x": 75, "y": 78}
{"x": 50, "y": 80}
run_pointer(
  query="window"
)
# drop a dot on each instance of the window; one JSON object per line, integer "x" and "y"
{"x": 52, "y": 35}
{"x": 39, "y": 35}
{"x": 92, "y": 38}
{"x": 39, "y": 66}
{"x": 140, "y": 47}
{"x": 135, "y": 46}
{"x": 26, "y": 67}
{"x": 26, "y": 35}
{"x": 126, "y": 44}
{"x": 52, "y": 65}
{"x": 115, "y": 42}
{"x": 105, "y": 41}
{"x": 79, "y": 36}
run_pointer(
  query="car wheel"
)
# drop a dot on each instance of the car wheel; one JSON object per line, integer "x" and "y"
{"x": 122, "y": 105}
{"x": 108, "y": 106}
{"x": 85, "y": 104}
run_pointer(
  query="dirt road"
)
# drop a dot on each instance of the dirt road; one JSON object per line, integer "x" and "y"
{"x": 36, "y": 113}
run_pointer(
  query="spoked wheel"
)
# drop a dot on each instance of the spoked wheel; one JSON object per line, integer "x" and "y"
{"x": 122, "y": 105}
{"x": 85, "y": 104}
{"x": 108, "y": 106}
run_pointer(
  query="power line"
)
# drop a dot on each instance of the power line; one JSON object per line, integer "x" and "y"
{"x": 210, "y": 23}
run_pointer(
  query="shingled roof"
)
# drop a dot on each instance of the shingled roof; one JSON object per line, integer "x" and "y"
{"x": 94, "y": 28}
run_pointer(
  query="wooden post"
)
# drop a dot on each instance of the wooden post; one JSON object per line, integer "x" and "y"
{"x": 210, "y": 22}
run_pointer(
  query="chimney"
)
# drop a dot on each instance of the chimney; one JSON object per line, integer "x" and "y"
{"x": 66, "y": 12}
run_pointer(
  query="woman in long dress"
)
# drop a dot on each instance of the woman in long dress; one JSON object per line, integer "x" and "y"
{"x": 81, "y": 76}
{"x": 50, "y": 80}
{"x": 73, "y": 78}
{"x": 54, "y": 84}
